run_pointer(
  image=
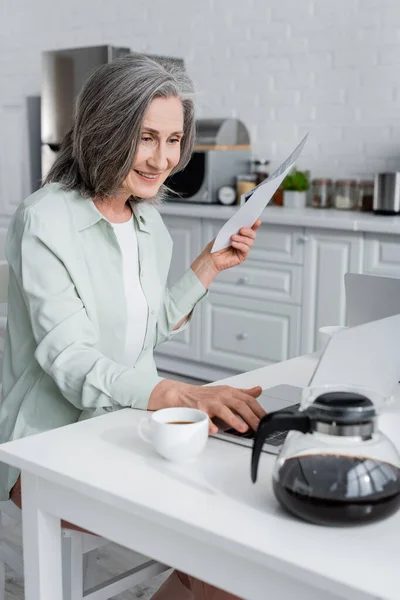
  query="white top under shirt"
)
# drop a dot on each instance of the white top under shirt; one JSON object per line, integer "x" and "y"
{"x": 136, "y": 303}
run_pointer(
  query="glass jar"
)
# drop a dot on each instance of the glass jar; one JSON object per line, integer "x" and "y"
{"x": 277, "y": 198}
{"x": 245, "y": 183}
{"x": 366, "y": 196}
{"x": 321, "y": 196}
{"x": 260, "y": 169}
{"x": 346, "y": 194}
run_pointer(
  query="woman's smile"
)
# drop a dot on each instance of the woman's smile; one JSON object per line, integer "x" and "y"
{"x": 148, "y": 177}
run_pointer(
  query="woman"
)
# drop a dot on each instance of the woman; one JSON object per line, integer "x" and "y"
{"x": 89, "y": 257}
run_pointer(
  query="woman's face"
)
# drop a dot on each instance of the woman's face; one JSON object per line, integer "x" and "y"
{"x": 159, "y": 149}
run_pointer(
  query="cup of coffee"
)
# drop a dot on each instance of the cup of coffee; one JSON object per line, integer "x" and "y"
{"x": 325, "y": 334}
{"x": 178, "y": 434}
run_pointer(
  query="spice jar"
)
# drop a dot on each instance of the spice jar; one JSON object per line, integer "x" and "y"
{"x": 346, "y": 194}
{"x": 245, "y": 183}
{"x": 277, "y": 198}
{"x": 260, "y": 169}
{"x": 366, "y": 196}
{"x": 321, "y": 196}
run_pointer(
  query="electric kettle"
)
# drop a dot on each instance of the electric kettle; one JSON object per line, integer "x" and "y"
{"x": 335, "y": 467}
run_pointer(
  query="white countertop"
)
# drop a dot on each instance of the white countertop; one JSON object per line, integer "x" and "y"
{"x": 301, "y": 217}
{"x": 214, "y": 501}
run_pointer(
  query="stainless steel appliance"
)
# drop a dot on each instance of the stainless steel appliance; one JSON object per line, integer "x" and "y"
{"x": 387, "y": 194}
{"x": 222, "y": 151}
{"x": 63, "y": 74}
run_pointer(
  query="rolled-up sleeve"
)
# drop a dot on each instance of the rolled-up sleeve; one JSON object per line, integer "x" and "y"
{"x": 66, "y": 338}
{"x": 179, "y": 301}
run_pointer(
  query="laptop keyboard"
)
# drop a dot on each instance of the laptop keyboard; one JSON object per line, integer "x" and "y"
{"x": 274, "y": 439}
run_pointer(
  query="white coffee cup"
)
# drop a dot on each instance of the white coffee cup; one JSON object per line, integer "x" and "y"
{"x": 178, "y": 434}
{"x": 325, "y": 334}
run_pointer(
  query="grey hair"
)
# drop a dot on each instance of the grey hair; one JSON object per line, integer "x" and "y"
{"x": 98, "y": 151}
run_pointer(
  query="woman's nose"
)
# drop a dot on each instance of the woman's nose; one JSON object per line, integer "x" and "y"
{"x": 159, "y": 159}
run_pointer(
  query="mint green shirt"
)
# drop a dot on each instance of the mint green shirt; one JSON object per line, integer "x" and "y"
{"x": 67, "y": 314}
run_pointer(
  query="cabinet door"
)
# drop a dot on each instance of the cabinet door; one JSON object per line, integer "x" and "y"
{"x": 186, "y": 235}
{"x": 382, "y": 255}
{"x": 243, "y": 333}
{"x": 328, "y": 256}
{"x": 275, "y": 243}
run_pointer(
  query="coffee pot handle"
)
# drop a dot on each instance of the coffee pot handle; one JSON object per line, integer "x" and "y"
{"x": 274, "y": 422}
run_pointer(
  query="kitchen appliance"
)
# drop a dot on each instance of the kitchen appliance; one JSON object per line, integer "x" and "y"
{"x": 63, "y": 75}
{"x": 387, "y": 194}
{"x": 222, "y": 151}
{"x": 335, "y": 467}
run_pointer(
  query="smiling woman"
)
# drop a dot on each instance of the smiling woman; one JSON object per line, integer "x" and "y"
{"x": 89, "y": 258}
{"x": 159, "y": 149}
{"x": 120, "y": 121}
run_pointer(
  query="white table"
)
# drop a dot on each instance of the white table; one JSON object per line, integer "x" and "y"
{"x": 206, "y": 519}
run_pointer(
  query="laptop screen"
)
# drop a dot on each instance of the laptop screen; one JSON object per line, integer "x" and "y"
{"x": 369, "y": 297}
{"x": 364, "y": 357}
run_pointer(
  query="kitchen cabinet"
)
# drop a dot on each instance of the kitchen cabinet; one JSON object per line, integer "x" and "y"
{"x": 382, "y": 255}
{"x": 245, "y": 333}
{"x": 275, "y": 243}
{"x": 186, "y": 236}
{"x": 270, "y": 308}
{"x": 252, "y": 315}
{"x": 328, "y": 256}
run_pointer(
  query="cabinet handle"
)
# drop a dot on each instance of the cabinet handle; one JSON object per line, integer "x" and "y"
{"x": 243, "y": 280}
{"x": 303, "y": 239}
{"x": 242, "y": 336}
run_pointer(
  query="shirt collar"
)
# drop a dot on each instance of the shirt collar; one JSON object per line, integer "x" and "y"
{"x": 85, "y": 211}
{"x": 87, "y": 215}
{"x": 142, "y": 215}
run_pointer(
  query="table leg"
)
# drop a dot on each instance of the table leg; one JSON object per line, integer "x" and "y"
{"x": 42, "y": 545}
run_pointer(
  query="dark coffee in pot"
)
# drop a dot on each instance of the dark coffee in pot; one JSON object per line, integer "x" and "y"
{"x": 331, "y": 489}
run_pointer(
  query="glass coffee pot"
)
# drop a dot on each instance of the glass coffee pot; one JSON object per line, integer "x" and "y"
{"x": 335, "y": 467}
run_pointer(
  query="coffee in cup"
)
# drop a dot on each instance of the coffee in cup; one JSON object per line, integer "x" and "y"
{"x": 181, "y": 443}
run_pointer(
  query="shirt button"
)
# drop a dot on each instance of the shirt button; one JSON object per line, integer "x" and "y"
{"x": 153, "y": 312}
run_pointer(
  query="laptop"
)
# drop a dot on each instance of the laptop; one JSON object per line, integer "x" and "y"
{"x": 370, "y": 297}
{"x": 365, "y": 356}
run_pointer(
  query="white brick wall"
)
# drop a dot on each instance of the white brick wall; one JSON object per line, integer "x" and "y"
{"x": 331, "y": 67}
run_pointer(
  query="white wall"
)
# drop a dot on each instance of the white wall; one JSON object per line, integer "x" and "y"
{"x": 283, "y": 66}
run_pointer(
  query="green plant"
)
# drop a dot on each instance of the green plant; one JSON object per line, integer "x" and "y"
{"x": 297, "y": 181}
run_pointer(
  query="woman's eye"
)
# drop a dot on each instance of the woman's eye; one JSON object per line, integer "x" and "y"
{"x": 174, "y": 141}
{"x": 146, "y": 138}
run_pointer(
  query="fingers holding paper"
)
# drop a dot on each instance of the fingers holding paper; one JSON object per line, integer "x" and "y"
{"x": 238, "y": 251}
{"x": 244, "y": 240}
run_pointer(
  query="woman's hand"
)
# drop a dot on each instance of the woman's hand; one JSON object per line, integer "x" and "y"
{"x": 208, "y": 264}
{"x": 238, "y": 251}
{"x": 237, "y": 408}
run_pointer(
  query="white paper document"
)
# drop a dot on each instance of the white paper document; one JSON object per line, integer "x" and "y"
{"x": 257, "y": 200}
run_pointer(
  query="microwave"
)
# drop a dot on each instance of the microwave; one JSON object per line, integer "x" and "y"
{"x": 222, "y": 152}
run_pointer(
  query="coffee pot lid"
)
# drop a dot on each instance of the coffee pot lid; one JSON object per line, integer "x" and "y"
{"x": 379, "y": 400}
{"x": 342, "y": 407}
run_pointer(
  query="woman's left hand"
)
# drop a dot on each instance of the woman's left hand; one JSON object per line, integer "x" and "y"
{"x": 238, "y": 251}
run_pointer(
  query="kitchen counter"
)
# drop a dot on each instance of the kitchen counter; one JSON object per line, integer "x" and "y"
{"x": 301, "y": 217}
